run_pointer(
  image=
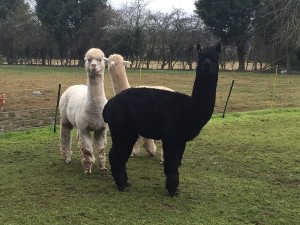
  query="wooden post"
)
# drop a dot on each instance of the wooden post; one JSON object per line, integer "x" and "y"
{"x": 57, "y": 103}
{"x": 274, "y": 86}
{"x": 228, "y": 98}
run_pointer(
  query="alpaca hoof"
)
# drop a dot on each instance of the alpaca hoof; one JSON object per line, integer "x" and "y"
{"x": 151, "y": 154}
{"x": 124, "y": 188}
{"x": 88, "y": 171}
{"x": 151, "y": 150}
{"x": 174, "y": 194}
{"x": 103, "y": 169}
{"x": 133, "y": 154}
{"x": 68, "y": 160}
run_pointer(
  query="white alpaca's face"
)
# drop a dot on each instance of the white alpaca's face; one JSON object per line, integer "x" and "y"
{"x": 94, "y": 61}
{"x": 116, "y": 61}
{"x": 113, "y": 61}
{"x": 94, "y": 65}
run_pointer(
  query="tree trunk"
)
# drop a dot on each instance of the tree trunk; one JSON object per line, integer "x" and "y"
{"x": 288, "y": 59}
{"x": 241, "y": 54}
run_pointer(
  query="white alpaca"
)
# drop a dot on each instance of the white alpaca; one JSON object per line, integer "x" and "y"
{"x": 117, "y": 71}
{"x": 81, "y": 106}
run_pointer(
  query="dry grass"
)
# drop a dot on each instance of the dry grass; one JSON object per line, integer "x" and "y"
{"x": 251, "y": 91}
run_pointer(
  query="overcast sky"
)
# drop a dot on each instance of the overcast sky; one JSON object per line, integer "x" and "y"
{"x": 161, "y": 5}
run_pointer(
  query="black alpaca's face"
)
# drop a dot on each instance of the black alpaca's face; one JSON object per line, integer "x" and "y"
{"x": 208, "y": 60}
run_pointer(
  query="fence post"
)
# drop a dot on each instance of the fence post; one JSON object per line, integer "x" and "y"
{"x": 228, "y": 98}
{"x": 274, "y": 86}
{"x": 57, "y": 103}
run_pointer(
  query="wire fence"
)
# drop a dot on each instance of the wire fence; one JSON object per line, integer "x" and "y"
{"x": 25, "y": 109}
{"x": 30, "y": 108}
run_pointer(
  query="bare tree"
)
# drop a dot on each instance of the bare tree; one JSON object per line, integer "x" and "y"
{"x": 128, "y": 30}
{"x": 280, "y": 23}
{"x": 285, "y": 15}
{"x": 171, "y": 37}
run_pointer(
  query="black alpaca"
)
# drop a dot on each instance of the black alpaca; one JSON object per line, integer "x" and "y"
{"x": 172, "y": 117}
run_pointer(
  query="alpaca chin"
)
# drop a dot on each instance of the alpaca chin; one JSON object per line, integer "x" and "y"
{"x": 94, "y": 70}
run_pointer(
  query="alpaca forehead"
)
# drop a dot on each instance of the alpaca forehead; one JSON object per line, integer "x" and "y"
{"x": 94, "y": 53}
{"x": 116, "y": 57}
{"x": 212, "y": 55}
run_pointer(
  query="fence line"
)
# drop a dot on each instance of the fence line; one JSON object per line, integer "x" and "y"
{"x": 25, "y": 111}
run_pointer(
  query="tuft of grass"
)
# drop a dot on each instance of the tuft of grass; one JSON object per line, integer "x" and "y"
{"x": 243, "y": 169}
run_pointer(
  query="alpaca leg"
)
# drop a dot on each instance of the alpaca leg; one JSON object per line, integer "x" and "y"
{"x": 118, "y": 168}
{"x": 161, "y": 156}
{"x": 136, "y": 147}
{"x": 172, "y": 160}
{"x": 65, "y": 142}
{"x": 150, "y": 146}
{"x": 86, "y": 151}
{"x": 118, "y": 157}
{"x": 100, "y": 142}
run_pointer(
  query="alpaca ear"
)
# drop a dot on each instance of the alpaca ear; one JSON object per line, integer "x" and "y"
{"x": 218, "y": 47}
{"x": 126, "y": 63}
{"x": 105, "y": 60}
{"x": 199, "y": 48}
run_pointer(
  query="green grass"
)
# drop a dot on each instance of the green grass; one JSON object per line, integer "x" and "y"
{"x": 244, "y": 169}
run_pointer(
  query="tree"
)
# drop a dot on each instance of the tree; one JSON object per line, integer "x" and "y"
{"x": 128, "y": 28}
{"x": 230, "y": 20}
{"x": 171, "y": 38}
{"x": 63, "y": 20}
{"x": 8, "y": 6}
{"x": 279, "y": 25}
{"x": 286, "y": 17}
{"x": 17, "y": 27}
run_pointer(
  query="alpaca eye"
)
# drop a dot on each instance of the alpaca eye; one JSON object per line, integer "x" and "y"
{"x": 89, "y": 60}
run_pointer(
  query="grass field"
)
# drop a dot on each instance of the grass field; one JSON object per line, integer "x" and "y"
{"x": 244, "y": 169}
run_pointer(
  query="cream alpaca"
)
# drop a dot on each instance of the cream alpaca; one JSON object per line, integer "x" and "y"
{"x": 81, "y": 106}
{"x": 117, "y": 71}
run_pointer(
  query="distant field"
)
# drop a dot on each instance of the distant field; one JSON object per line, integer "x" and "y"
{"x": 251, "y": 91}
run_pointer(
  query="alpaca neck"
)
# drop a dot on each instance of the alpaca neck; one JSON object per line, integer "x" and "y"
{"x": 204, "y": 96}
{"x": 95, "y": 90}
{"x": 119, "y": 81}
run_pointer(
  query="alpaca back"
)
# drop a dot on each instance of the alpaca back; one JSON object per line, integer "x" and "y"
{"x": 71, "y": 103}
{"x": 154, "y": 111}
